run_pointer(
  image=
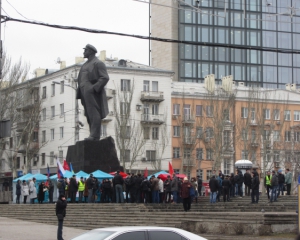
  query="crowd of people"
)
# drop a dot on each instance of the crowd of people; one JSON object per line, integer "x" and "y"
{"x": 232, "y": 185}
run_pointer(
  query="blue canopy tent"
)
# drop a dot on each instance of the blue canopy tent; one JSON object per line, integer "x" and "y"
{"x": 82, "y": 174}
{"x": 23, "y": 177}
{"x": 101, "y": 175}
{"x": 158, "y": 173}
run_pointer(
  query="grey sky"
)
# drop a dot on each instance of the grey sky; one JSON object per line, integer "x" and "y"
{"x": 41, "y": 46}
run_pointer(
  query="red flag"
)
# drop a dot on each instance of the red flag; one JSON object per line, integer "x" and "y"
{"x": 146, "y": 172}
{"x": 66, "y": 166}
{"x": 171, "y": 171}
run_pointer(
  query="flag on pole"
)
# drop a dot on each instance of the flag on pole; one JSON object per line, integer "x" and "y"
{"x": 171, "y": 171}
{"x": 48, "y": 171}
{"x": 146, "y": 172}
{"x": 66, "y": 166}
{"x": 60, "y": 169}
{"x": 71, "y": 168}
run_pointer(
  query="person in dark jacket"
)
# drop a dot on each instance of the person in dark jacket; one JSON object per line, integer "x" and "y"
{"x": 18, "y": 191}
{"x": 61, "y": 186}
{"x": 73, "y": 187}
{"x": 60, "y": 210}
{"x": 138, "y": 182}
{"x": 226, "y": 187}
{"x": 236, "y": 184}
{"x": 132, "y": 188}
{"x": 274, "y": 186}
{"x": 50, "y": 190}
{"x": 118, "y": 185}
{"x": 213, "y": 185}
{"x": 185, "y": 194}
{"x": 240, "y": 183}
{"x": 255, "y": 187}
{"x": 175, "y": 188}
{"x": 232, "y": 185}
{"x": 41, "y": 192}
{"x": 106, "y": 189}
{"x": 199, "y": 181}
{"x": 90, "y": 184}
{"x": 247, "y": 182}
{"x": 127, "y": 187}
{"x": 281, "y": 180}
{"x": 146, "y": 189}
{"x": 167, "y": 190}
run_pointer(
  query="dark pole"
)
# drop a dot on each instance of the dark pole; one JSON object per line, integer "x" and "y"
{"x": 149, "y": 32}
{"x": 0, "y": 41}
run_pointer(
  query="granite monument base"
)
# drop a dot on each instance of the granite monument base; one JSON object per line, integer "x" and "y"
{"x": 89, "y": 156}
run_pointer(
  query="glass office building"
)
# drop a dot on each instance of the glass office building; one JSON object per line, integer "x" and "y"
{"x": 258, "y": 23}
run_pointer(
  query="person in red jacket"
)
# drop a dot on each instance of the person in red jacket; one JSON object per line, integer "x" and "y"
{"x": 185, "y": 194}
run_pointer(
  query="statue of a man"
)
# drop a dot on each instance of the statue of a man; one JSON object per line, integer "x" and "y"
{"x": 92, "y": 79}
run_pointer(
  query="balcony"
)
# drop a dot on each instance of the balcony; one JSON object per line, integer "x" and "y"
{"x": 152, "y": 119}
{"x": 188, "y": 119}
{"x": 228, "y": 126}
{"x": 188, "y": 140}
{"x": 152, "y": 97}
{"x": 254, "y": 144}
{"x": 110, "y": 93}
{"x": 253, "y": 123}
{"x": 33, "y": 147}
{"x": 188, "y": 162}
{"x": 27, "y": 104}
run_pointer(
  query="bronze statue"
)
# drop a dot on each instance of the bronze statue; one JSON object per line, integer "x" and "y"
{"x": 92, "y": 79}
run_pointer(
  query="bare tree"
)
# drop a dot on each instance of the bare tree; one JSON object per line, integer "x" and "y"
{"x": 129, "y": 132}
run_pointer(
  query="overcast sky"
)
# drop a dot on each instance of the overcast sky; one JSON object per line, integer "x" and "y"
{"x": 41, "y": 46}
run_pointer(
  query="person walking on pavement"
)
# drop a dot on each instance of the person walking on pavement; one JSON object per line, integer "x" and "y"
{"x": 90, "y": 184}
{"x": 32, "y": 191}
{"x": 247, "y": 182}
{"x": 254, "y": 187}
{"x": 73, "y": 187}
{"x": 267, "y": 183}
{"x": 281, "y": 181}
{"x": 118, "y": 185}
{"x": 274, "y": 186}
{"x": 185, "y": 194}
{"x": 80, "y": 189}
{"x": 25, "y": 191}
{"x": 18, "y": 191}
{"x": 60, "y": 211}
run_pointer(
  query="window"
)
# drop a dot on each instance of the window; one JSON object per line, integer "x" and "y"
{"x": 209, "y": 154}
{"x": 146, "y": 132}
{"x": 198, "y": 110}
{"x": 43, "y": 136}
{"x": 176, "y": 131}
{"x": 43, "y": 159}
{"x": 276, "y": 114}
{"x": 52, "y": 134}
{"x": 176, "y": 152}
{"x": 155, "y": 133}
{"x": 296, "y": 115}
{"x": 61, "y": 132}
{"x": 227, "y": 138}
{"x": 44, "y": 94}
{"x": 244, "y": 154}
{"x": 35, "y": 136}
{"x": 287, "y": 136}
{"x": 125, "y": 132}
{"x": 187, "y": 111}
{"x": 154, "y": 86}
{"x": 146, "y": 86}
{"x": 209, "y": 132}
{"x": 18, "y": 162}
{"x": 266, "y": 113}
{"x": 253, "y": 136}
{"x": 252, "y": 114}
{"x": 62, "y": 87}
{"x": 226, "y": 166}
{"x": 244, "y": 112}
{"x": 52, "y": 111}
{"x": 276, "y": 136}
{"x": 199, "y": 172}
{"x": 11, "y": 142}
{"x": 125, "y": 85}
{"x": 244, "y": 134}
{"x": 52, "y": 90}
{"x": 199, "y": 153}
{"x": 61, "y": 155}
{"x": 287, "y": 115}
{"x": 103, "y": 130}
{"x": 155, "y": 109}
{"x": 150, "y": 155}
{"x": 253, "y": 156}
{"x": 226, "y": 114}
{"x": 187, "y": 153}
{"x": 62, "y": 109}
{"x": 163, "y": 235}
{"x": 209, "y": 111}
{"x": 176, "y": 109}
{"x": 125, "y": 155}
{"x": 199, "y": 132}
{"x": 208, "y": 174}
{"x": 288, "y": 156}
{"x": 51, "y": 158}
{"x": 266, "y": 134}
{"x": 124, "y": 108}
{"x": 44, "y": 114}
{"x": 276, "y": 156}
{"x": 297, "y": 136}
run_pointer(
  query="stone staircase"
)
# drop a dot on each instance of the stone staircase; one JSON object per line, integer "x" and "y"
{"x": 202, "y": 215}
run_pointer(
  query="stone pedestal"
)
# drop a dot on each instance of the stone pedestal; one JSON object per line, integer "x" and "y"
{"x": 89, "y": 156}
